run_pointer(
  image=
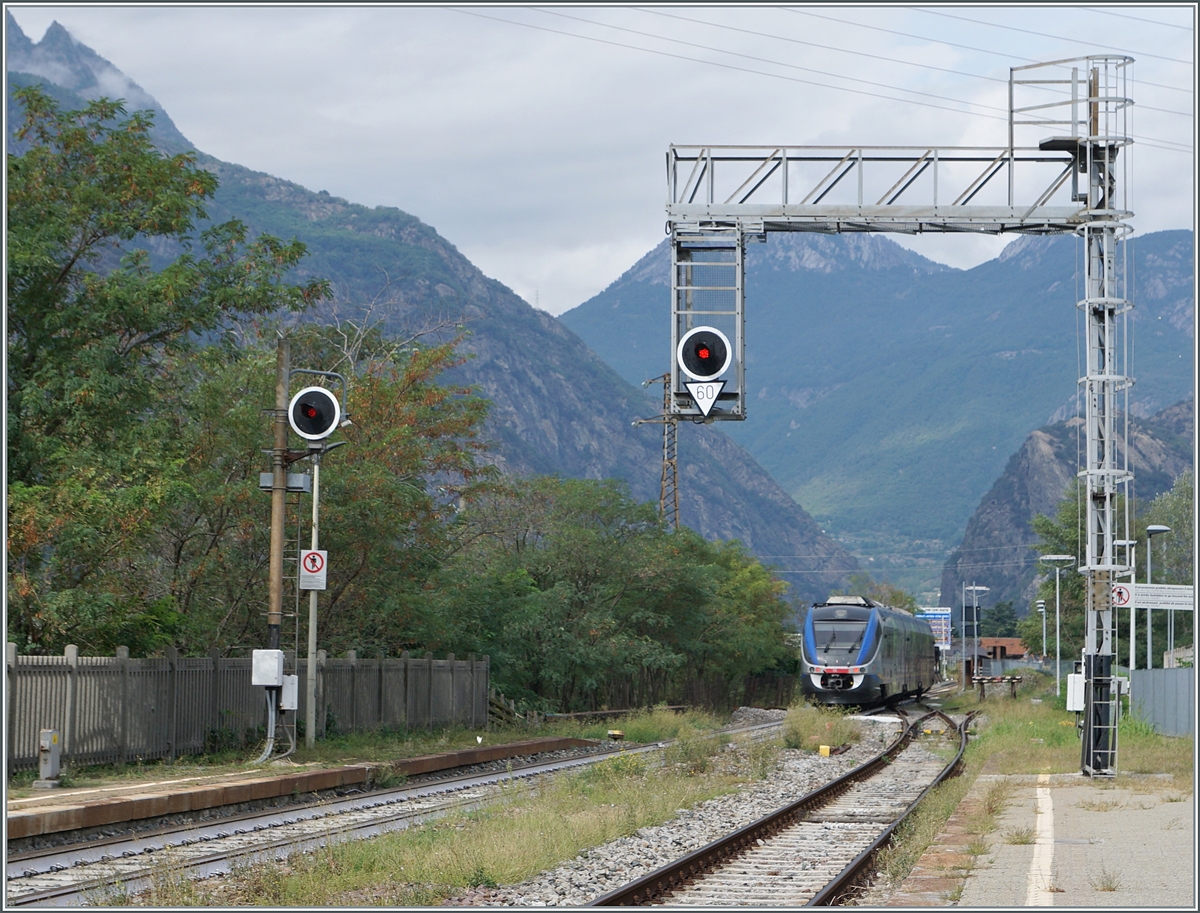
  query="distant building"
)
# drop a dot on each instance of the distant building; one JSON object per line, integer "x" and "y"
{"x": 1003, "y": 647}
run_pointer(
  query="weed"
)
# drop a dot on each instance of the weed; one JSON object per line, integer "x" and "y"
{"x": 1105, "y": 806}
{"x": 480, "y": 879}
{"x": 1106, "y": 880}
{"x": 977, "y": 847}
{"x": 762, "y": 757}
{"x": 1021, "y": 836}
{"x": 809, "y": 727}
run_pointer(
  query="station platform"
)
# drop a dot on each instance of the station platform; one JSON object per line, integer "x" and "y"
{"x": 55, "y": 810}
{"x": 1064, "y": 840}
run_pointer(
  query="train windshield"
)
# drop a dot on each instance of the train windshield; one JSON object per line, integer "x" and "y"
{"x": 839, "y": 639}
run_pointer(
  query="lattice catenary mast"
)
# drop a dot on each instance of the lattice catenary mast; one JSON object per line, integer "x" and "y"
{"x": 719, "y": 198}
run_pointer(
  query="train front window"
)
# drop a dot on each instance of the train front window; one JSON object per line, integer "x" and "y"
{"x": 839, "y": 639}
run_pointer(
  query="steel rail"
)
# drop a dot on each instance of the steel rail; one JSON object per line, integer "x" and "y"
{"x": 849, "y": 878}
{"x": 317, "y": 828}
{"x": 648, "y": 888}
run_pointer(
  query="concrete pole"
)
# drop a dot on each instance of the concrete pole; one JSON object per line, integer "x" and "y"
{"x": 310, "y": 684}
{"x": 1057, "y": 632}
{"x": 278, "y": 493}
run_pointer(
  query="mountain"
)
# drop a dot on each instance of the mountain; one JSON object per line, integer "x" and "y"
{"x": 886, "y": 391}
{"x": 997, "y": 548}
{"x": 557, "y": 408}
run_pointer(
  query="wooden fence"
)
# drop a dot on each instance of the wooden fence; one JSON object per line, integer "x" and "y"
{"x": 116, "y": 709}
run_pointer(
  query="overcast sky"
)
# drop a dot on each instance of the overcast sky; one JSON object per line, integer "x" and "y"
{"x": 533, "y": 138}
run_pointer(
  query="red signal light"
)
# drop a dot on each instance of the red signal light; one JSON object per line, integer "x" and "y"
{"x": 309, "y": 411}
{"x": 704, "y": 352}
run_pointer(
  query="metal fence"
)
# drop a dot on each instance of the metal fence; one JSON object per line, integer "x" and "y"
{"x": 113, "y": 709}
{"x": 1165, "y": 698}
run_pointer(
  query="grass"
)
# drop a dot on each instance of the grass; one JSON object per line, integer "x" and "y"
{"x": 526, "y": 833}
{"x": 808, "y": 728}
{"x": 378, "y": 746}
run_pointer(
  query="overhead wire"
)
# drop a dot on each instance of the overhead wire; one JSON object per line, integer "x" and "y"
{"x": 715, "y": 63}
{"x": 1013, "y": 28}
{"x": 838, "y": 50}
{"x": 1150, "y": 142}
{"x": 952, "y": 44}
{"x": 778, "y": 63}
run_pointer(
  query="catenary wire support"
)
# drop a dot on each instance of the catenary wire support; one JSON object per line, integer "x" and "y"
{"x": 668, "y": 495}
{"x": 1060, "y": 171}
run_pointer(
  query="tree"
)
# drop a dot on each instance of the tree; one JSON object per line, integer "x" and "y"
{"x": 95, "y": 330}
{"x": 999, "y": 621}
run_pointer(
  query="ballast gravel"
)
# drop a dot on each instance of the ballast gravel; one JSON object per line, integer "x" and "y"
{"x": 605, "y": 868}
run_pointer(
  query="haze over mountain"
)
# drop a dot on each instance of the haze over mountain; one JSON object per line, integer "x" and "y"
{"x": 996, "y": 549}
{"x": 887, "y": 392}
{"x": 557, "y": 408}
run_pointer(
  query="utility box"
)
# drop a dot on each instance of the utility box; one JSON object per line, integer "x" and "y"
{"x": 1075, "y": 689}
{"x": 289, "y": 696}
{"x": 49, "y": 755}
{"x": 267, "y": 668}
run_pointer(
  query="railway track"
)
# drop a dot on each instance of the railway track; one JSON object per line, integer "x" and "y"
{"x": 90, "y": 872}
{"x": 813, "y": 851}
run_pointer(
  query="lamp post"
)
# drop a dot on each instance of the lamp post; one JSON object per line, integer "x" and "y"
{"x": 975, "y": 591}
{"x": 1041, "y": 607}
{"x": 1058, "y": 562}
{"x": 1153, "y": 530}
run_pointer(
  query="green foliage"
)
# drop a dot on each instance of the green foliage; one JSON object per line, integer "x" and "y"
{"x": 1172, "y": 564}
{"x": 1001, "y": 621}
{"x": 96, "y": 403}
{"x": 582, "y": 600}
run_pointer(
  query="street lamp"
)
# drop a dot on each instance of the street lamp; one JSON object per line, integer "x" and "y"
{"x": 1058, "y": 562}
{"x": 1151, "y": 531}
{"x": 975, "y": 591}
{"x": 1041, "y": 607}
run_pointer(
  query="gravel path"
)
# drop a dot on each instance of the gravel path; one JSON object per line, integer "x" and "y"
{"x": 604, "y": 868}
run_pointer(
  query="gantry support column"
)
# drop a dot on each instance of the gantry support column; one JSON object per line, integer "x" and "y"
{"x": 1105, "y": 308}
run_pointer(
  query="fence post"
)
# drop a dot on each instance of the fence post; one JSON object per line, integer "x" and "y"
{"x": 429, "y": 701}
{"x": 123, "y": 663}
{"x": 215, "y": 704}
{"x": 352, "y": 655}
{"x": 471, "y": 660}
{"x": 382, "y": 667}
{"x": 487, "y": 671}
{"x": 321, "y": 714}
{"x": 173, "y": 688}
{"x": 72, "y": 654}
{"x": 404, "y": 685}
{"x": 10, "y": 662}
{"x": 453, "y": 707}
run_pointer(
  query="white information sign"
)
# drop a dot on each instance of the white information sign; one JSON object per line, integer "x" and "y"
{"x": 313, "y": 564}
{"x": 1163, "y": 596}
{"x": 705, "y": 393}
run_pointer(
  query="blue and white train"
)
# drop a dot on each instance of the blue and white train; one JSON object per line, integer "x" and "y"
{"x": 859, "y": 652}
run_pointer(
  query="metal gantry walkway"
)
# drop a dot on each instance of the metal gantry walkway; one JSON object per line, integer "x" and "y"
{"x": 1060, "y": 171}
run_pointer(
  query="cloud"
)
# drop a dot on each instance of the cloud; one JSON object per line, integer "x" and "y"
{"x": 540, "y": 155}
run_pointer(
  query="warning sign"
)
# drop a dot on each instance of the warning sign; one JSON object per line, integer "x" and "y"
{"x": 1121, "y": 595}
{"x": 312, "y": 569}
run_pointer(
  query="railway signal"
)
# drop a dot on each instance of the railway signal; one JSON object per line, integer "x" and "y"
{"x": 704, "y": 354}
{"x": 314, "y": 413}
